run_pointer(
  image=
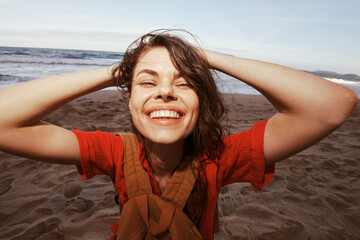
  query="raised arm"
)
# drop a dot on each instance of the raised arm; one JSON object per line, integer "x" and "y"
{"x": 22, "y": 107}
{"x": 309, "y": 107}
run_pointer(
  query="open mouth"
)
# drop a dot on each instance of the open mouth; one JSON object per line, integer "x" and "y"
{"x": 160, "y": 114}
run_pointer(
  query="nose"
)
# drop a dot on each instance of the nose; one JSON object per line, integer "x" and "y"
{"x": 166, "y": 93}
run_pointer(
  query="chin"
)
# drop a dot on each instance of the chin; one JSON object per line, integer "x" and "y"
{"x": 164, "y": 139}
{"x": 163, "y": 135}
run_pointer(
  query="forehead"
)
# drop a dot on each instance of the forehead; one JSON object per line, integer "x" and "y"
{"x": 155, "y": 58}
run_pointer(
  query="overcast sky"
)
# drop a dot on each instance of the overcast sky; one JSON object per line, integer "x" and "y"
{"x": 307, "y": 34}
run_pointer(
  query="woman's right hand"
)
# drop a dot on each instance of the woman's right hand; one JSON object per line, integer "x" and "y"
{"x": 22, "y": 107}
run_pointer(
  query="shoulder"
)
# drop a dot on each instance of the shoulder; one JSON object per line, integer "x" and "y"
{"x": 242, "y": 158}
{"x": 252, "y": 138}
{"x": 100, "y": 153}
{"x": 98, "y": 140}
{"x": 96, "y": 135}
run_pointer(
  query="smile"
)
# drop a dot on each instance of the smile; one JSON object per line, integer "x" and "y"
{"x": 164, "y": 114}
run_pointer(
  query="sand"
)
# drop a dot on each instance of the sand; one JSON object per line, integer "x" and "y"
{"x": 314, "y": 195}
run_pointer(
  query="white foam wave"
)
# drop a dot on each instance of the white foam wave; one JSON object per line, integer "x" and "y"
{"x": 343, "y": 81}
{"x": 52, "y": 61}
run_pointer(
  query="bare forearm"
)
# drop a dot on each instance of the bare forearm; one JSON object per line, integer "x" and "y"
{"x": 27, "y": 103}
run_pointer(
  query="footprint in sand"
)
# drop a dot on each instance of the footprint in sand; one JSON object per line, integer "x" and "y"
{"x": 49, "y": 228}
{"x": 227, "y": 204}
{"x": 257, "y": 222}
{"x": 79, "y": 205}
{"x": 351, "y": 162}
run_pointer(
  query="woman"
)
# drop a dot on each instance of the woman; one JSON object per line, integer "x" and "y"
{"x": 176, "y": 109}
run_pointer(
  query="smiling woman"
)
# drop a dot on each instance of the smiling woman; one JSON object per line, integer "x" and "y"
{"x": 170, "y": 172}
{"x": 157, "y": 86}
{"x": 191, "y": 74}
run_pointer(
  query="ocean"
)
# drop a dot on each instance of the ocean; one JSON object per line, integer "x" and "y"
{"x": 24, "y": 64}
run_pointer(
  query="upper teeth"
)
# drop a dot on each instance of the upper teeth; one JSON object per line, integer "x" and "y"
{"x": 164, "y": 113}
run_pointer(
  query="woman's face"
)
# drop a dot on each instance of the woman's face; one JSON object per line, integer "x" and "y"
{"x": 163, "y": 106}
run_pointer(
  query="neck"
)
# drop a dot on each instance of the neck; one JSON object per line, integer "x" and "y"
{"x": 164, "y": 158}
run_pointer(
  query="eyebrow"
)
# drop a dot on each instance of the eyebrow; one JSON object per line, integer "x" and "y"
{"x": 154, "y": 73}
{"x": 148, "y": 71}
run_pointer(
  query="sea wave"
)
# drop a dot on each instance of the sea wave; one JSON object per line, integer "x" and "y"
{"x": 8, "y": 80}
{"x": 21, "y": 53}
{"x": 59, "y": 53}
{"x": 23, "y": 64}
{"x": 343, "y": 81}
{"x": 56, "y": 62}
{"x": 93, "y": 56}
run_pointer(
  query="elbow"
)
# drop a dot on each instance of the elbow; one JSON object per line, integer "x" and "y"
{"x": 344, "y": 105}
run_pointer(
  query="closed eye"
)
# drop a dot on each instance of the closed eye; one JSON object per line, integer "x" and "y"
{"x": 184, "y": 85}
{"x": 147, "y": 84}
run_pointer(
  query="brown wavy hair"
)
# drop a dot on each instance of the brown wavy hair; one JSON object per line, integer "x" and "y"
{"x": 194, "y": 67}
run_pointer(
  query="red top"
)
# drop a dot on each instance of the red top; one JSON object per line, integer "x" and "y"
{"x": 241, "y": 161}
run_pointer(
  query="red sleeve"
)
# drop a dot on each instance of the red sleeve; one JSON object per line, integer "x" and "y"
{"x": 243, "y": 158}
{"x": 98, "y": 153}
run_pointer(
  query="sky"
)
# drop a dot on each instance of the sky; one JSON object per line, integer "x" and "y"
{"x": 308, "y": 34}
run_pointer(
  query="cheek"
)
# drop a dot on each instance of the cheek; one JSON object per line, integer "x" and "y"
{"x": 134, "y": 101}
{"x": 195, "y": 103}
{"x": 133, "y": 108}
{"x": 130, "y": 106}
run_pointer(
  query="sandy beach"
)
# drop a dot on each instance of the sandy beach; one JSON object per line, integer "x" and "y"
{"x": 314, "y": 195}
